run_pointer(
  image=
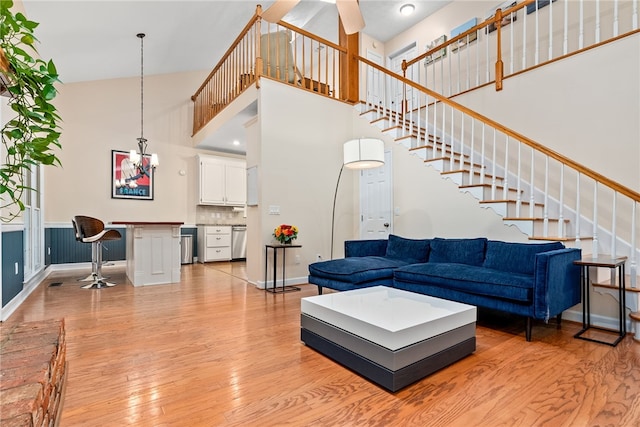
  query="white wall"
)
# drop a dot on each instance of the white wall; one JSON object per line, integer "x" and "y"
{"x": 100, "y": 116}
{"x": 586, "y": 107}
{"x": 300, "y": 152}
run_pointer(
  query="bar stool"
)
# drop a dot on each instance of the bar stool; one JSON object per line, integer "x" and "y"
{"x": 91, "y": 230}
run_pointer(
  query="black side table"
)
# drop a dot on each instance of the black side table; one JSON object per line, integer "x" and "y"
{"x": 275, "y": 248}
{"x": 606, "y": 262}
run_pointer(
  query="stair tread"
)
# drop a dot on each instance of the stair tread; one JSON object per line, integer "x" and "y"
{"x": 608, "y": 286}
{"x": 509, "y": 218}
{"x": 486, "y": 174}
{"x": 422, "y": 147}
{"x": 559, "y": 239}
{"x": 447, "y": 159}
{"x": 511, "y": 201}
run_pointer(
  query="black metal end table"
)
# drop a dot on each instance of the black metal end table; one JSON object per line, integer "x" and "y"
{"x": 606, "y": 262}
{"x": 274, "y": 289}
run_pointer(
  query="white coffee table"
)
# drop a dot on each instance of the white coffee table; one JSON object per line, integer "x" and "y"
{"x": 390, "y": 336}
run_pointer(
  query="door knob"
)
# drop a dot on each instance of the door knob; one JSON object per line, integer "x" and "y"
{"x": 386, "y": 224}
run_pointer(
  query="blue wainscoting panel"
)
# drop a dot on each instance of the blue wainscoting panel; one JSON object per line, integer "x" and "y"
{"x": 12, "y": 253}
{"x": 66, "y": 249}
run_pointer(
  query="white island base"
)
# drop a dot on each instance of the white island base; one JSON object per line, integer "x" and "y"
{"x": 153, "y": 252}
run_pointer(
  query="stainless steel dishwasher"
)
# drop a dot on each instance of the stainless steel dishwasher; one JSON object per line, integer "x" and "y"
{"x": 239, "y": 242}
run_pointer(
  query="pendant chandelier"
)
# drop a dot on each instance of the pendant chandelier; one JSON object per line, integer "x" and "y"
{"x": 140, "y": 160}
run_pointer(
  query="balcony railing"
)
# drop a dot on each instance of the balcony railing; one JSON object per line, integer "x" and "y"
{"x": 278, "y": 51}
{"x": 527, "y": 35}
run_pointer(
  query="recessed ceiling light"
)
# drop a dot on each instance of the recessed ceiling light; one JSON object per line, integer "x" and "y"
{"x": 407, "y": 9}
{"x": 236, "y": 142}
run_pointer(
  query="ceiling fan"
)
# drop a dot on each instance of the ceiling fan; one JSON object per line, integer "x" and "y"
{"x": 349, "y": 11}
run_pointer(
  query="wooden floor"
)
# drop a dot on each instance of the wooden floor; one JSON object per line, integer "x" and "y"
{"x": 215, "y": 351}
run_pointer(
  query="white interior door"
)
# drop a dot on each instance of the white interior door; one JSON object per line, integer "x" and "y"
{"x": 375, "y": 83}
{"x": 398, "y": 89}
{"x": 376, "y": 201}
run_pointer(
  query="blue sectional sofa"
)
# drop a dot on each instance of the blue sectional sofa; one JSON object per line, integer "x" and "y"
{"x": 538, "y": 281}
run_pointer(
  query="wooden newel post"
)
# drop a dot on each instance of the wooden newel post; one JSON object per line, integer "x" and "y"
{"x": 499, "y": 64}
{"x": 405, "y": 106}
{"x": 258, "y": 32}
{"x": 349, "y": 72}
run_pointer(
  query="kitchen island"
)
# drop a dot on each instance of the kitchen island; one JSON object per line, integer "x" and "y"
{"x": 153, "y": 252}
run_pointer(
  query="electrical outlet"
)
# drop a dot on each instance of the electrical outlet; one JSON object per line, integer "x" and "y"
{"x": 297, "y": 259}
{"x": 274, "y": 210}
{"x": 318, "y": 257}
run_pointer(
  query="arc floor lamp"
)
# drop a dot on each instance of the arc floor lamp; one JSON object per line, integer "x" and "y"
{"x": 361, "y": 153}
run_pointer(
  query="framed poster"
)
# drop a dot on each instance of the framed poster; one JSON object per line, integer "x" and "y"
{"x": 127, "y": 182}
{"x": 438, "y": 53}
{"x": 539, "y": 4}
{"x": 461, "y": 29}
{"x": 506, "y": 19}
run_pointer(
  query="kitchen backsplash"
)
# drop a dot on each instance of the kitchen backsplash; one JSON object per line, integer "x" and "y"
{"x": 220, "y": 215}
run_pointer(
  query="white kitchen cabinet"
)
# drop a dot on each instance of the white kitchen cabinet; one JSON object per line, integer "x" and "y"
{"x": 222, "y": 181}
{"x": 214, "y": 243}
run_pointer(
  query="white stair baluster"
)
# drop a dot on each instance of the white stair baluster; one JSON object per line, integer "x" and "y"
{"x": 546, "y": 197}
{"x": 615, "y": 18}
{"x": 452, "y": 155}
{"x": 578, "y": 242}
{"x": 536, "y": 59}
{"x": 519, "y": 181}
{"x": 561, "y": 232}
{"x": 581, "y": 31}
{"x": 472, "y": 145}
{"x": 524, "y": 42}
{"x": 565, "y": 37}
{"x": 614, "y": 237}
{"x": 482, "y": 155}
{"x": 597, "y": 21}
{"x": 462, "y": 140}
{"x": 505, "y": 180}
{"x": 493, "y": 172}
{"x": 594, "y": 247}
{"x": 633, "y": 269}
{"x": 532, "y": 191}
{"x": 550, "y": 31}
{"x": 634, "y": 15}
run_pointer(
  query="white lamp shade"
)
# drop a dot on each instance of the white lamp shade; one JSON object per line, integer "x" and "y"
{"x": 363, "y": 153}
{"x": 154, "y": 160}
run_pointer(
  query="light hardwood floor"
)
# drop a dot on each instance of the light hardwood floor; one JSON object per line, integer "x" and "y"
{"x": 215, "y": 351}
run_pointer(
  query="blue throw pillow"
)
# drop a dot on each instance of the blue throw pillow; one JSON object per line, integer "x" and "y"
{"x": 409, "y": 250}
{"x": 459, "y": 251}
{"x": 516, "y": 257}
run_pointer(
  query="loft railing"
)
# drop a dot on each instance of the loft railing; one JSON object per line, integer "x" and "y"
{"x": 278, "y": 51}
{"x": 577, "y": 203}
{"x": 527, "y": 35}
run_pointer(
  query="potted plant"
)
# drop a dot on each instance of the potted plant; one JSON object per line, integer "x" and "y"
{"x": 29, "y": 137}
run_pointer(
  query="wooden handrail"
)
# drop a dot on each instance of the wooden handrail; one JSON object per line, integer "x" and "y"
{"x": 311, "y": 36}
{"x": 461, "y": 36}
{"x": 257, "y": 15}
{"x": 615, "y": 186}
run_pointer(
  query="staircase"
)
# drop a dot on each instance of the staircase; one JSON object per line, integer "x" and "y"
{"x": 519, "y": 204}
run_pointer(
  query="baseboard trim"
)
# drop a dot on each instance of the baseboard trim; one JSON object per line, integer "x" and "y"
{"x": 27, "y": 288}
{"x": 596, "y": 320}
{"x": 290, "y": 281}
